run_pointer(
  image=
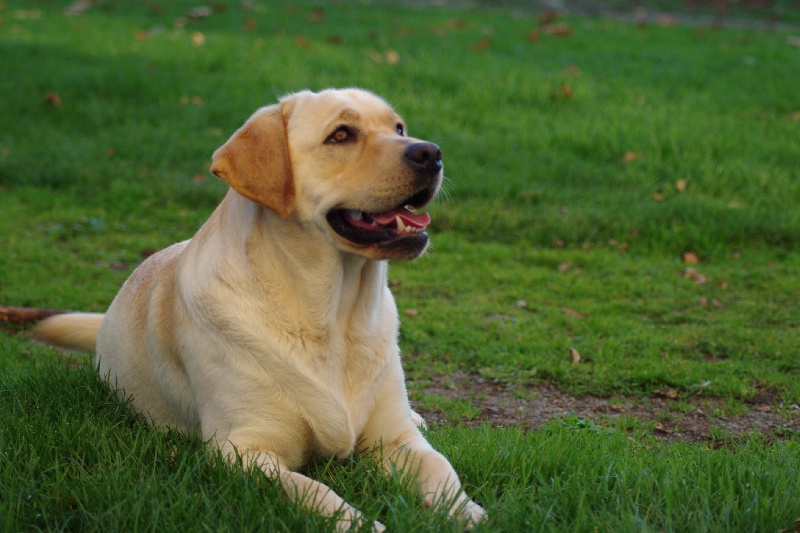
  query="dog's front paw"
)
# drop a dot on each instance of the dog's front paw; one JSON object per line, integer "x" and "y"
{"x": 468, "y": 511}
{"x": 474, "y": 513}
{"x": 418, "y": 421}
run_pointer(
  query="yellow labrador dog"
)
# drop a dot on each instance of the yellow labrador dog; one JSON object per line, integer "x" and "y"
{"x": 273, "y": 330}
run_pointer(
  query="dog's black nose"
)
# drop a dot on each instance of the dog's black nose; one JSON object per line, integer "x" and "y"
{"x": 425, "y": 156}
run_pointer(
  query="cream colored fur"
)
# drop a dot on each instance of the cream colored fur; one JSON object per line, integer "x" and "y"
{"x": 267, "y": 331}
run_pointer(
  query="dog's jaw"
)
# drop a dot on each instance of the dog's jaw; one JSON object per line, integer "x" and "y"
{"x": 395, "y": 233}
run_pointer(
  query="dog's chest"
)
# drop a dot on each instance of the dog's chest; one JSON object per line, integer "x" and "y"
{"x": 350, "y": 369}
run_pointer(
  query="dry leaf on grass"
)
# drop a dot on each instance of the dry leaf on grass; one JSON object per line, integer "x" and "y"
{"x": 77, "y": 8}
{"x": 629, "y": 156}
{"x": 302, "y": 42}
{"x": 52, "y": 99}
{"x": 572, "y": 313}
{"x": 483, "y": 44}
{"x": 317, "y": 15}
{"x": 392, "y": 57}
{"x": 690, "y": 273}
{"x": 558, "y": 30}
{"x": 669, "y": 394}
{"x": 574, "y": 355}
{"x": 690, "y": 258}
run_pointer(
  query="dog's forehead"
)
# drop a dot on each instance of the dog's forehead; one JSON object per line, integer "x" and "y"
{"x": 347, "y": 105}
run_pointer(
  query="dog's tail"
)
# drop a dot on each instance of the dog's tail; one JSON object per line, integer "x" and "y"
{"x": 75, "y": 331}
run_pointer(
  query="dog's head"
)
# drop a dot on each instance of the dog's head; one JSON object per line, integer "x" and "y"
{"x": 342, "y": 161}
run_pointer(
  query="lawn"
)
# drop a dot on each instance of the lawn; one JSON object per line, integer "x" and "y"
{"x": 626, "y": 193}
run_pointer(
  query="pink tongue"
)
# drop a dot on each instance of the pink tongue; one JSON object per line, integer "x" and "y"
{"x": 408, "y": 218}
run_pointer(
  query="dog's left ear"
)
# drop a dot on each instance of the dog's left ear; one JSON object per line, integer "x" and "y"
{"x": 255, "y": 160}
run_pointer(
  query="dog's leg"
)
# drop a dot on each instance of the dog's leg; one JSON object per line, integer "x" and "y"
{"x": 313, "y": 495}
{"x": 412, "y": 455}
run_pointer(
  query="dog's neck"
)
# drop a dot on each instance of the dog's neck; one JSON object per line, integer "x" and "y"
{"x": 283, "y": 254}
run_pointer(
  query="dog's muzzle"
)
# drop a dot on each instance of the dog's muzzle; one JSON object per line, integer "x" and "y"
{"x": 399, "y": 223}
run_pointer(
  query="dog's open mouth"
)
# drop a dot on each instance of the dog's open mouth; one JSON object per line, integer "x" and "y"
{"x": 361, "y": 227}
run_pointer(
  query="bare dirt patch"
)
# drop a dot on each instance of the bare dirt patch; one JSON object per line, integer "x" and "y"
{"x": 671, "y": 416}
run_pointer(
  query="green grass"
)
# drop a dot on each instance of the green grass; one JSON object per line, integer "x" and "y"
{"x": 541, "y": 205}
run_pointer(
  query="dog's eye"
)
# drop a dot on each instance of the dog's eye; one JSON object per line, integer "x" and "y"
{"x": 401, "y": 130}
{"x": 342, "y": 134}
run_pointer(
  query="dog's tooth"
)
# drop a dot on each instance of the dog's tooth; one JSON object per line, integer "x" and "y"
{"x": 355, "y": 215}
{"x": 401, "y": 227}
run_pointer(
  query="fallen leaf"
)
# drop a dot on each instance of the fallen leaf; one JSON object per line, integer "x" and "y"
{"x": 722, "y": 284}
{"x": 669, "y": 394}
{"x": 411, "y": 312}
{"x": 522, "y": 304}
{"x": 141, "y": 35}
{"x": 565, "y": 92}
{"x": 574, "y": 356}
{"x": 690, "y": 273}
{"x": 608, "y": 408}
{"x": 572, "y": 313}
{"x": 392, "y": 57}
{"x": 680, "y": 185}
{"x": 558, "y": 243}
{"x": 793, "y": 41}
{"x": 623, "y": 247}
{"x": 558, "y": 30}
{"x": 198, "y": 13}
{"x": 629, "y": 156}
{"x": 480, "y": 45}
{"x": 549, "y": 16}
{"x": 533, "y": 36}
{"x": 302, "y": 42}
{"x": 563, "y": 267}
{"x": 249, "y": 24}
{"x": 77, "y": 8}
{"x": 690, "y": 258}
{"x": 763, "y": 408}
{"x": 317, "y": 15}
{"x": 661, "y": 429}
{"x": 796, "y": 116}
{"x": 666, "y": 20}
{"x": 658, "y": 197}
{"x": 198, "y": 39}
{"x": 717, "y": 303}
{"x": 403, "y": 32}
{"x": 52, "y": 99}
{"x": 454, "y": 24}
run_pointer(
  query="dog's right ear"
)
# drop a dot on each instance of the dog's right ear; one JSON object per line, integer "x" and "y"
{"x": 255, "y": 161}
